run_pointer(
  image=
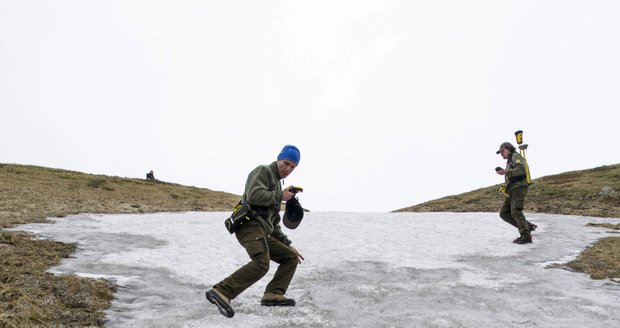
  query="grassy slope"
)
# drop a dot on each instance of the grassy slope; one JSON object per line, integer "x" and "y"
{"x": 594, "y": 192}
{"x": 30, "y": 194}
{"x": 31, "y": 297}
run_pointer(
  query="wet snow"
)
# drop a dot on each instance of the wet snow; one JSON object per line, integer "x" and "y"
{"x": 361, "y": 270}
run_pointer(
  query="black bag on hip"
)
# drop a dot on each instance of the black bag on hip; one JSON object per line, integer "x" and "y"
{"x": 241, "y": 214}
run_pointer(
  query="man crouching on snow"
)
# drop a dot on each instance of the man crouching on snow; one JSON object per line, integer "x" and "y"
{"x": 262, "y": 238}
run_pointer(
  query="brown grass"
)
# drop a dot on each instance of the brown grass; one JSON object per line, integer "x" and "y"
{"x": 29, "y": 296}
{"x": 600, "y": 261}
{"x": 31, "y": 194}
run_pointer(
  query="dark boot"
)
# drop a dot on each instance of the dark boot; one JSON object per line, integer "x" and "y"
{"x": 525, "y": 239}
{"x": 271, "y": 299}
{"x": 222, "y": 302}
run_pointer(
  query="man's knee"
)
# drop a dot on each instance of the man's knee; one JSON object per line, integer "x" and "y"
{"x": 288, "y": 258}
{"x": 517, "y": 214}
{"x": 505, "y": 215}
{"x": 262, "y": 264}
{"x": 292, "y": 261}
{"x": 516, "y": 208}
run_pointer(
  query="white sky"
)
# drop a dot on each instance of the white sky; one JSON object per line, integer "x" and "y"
{"x": 392, "y": 103}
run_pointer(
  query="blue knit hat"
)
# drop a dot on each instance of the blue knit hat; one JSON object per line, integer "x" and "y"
{"x": 290, "y": 153}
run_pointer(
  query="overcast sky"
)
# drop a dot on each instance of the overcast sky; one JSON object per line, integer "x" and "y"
{"x": 392, "y": 103}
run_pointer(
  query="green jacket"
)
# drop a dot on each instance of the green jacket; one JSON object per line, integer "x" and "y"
{"x": 264, "y": 194}
{"x": 516, "y": 170}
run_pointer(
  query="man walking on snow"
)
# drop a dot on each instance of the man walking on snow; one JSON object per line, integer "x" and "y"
{"x": 515, "y": 175}
{"x": 262, "y": 237}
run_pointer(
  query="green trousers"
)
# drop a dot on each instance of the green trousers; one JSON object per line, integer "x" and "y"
{"x": 262, "y": 249}
{"x": 512, "y": 209}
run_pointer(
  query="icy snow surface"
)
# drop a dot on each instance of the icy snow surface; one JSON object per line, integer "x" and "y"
{"x": 361, "y": 270}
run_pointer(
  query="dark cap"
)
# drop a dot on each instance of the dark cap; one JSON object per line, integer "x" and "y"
{"x": 506, "y": 145}
{"x": 293, "y": 213}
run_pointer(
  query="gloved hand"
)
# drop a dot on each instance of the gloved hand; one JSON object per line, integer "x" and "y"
{"x": 503, "y": 188}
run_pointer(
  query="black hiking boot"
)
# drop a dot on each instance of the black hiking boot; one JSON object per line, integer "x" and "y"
{"x": 523, "y": 240}
{"x": 221, "y": 301}
{"x": 532, "y": 227}
{"x": 270, "y": 299}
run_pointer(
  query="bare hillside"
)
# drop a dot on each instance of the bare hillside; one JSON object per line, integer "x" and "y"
{"x": 32, "y": 193}
{"x": 593, "y": 192}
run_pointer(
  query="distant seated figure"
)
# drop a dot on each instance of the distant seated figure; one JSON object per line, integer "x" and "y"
{"x": 150, "y": 175}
